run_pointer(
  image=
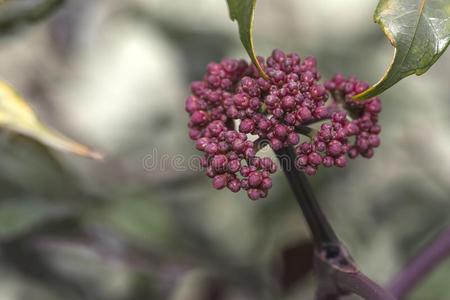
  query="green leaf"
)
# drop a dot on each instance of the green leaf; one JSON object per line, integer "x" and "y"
{"x": 420, "y": 33}
{"x": 243, "y": 12}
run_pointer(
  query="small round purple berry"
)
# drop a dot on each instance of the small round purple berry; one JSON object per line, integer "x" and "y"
{"x": 314, "y": 159}
{"x": 234, "y": 185}
{"x": 247, "y": 126}
{"x": 254, "y": 194}
{"x": 341, "y": 161}
{"x": 328, "y": 161}
{"x": 220, "y": 181}
{"x": 254, "y": 179}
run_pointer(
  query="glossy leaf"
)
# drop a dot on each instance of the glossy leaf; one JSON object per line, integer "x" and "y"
{"x": 243, "y": 12}
{"x": 420, "y": 33}
{"x": 17, "y": 116}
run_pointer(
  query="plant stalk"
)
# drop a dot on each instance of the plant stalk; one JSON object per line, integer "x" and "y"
{"x": 420, "y": 266}
{"x": 323, "y": 234}
{"x": 336, "y": 272}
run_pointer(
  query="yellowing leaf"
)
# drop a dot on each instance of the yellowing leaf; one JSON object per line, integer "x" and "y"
{"x": 243, "y": 12}
{"x": 420, "y": 32}
{"x": 16, "y": 115}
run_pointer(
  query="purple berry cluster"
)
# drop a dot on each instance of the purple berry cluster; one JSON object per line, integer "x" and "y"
{"x": 352, "y": 128}
{"x": 233, "y": 104}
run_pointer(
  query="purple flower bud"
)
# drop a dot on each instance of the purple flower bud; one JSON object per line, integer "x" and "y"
{"x": 212, "y": 148}
{"x": 216, "y": 127}
{"x": 219, "y": 162}
{"x": 293, "y": 138}
{"x": 290, "y": 119}
{"x": 368, "y": 153}
{"x": 199, "y": 117}
{"x": 307, "y": 77}
{"x": 375, "y": 129}
{"x": 234, "y": 185}
{"x": 288, "y": 103}
{"x": 318, "y": 91}
{"x": 353, "y": 152}
{"x": 361, "y": 87}
{"x": 341, "y": 134}
{"x": 266, "y": 183}
{"x": 278, "y": 113}
{"x": 292, "y": 77}
{"x": 280, "y": 131}
{"x": 192, "y": 104}
{"x": 210, "y": 172}
{"x": 310, "y": 62}
{"x": 320, "y": 146}
{"x": 304, "y": 114}
{"x": 334, "y": 148}
{"x": 301, "y": 161}
{"x": 254, "y": 194}
{"x": 341, "y": 161}
{"x": 249, "y": 153}
{"x": 339, "y": 117}
{"x": 226, "y": 84}
{"x": 238, "y": 145}
{"x": 277, "y": 75}
{"x": 232, "y": 112}
{"x": 264, "y": 124}
{"x": 348, "y": 88}
{"x": 255, "y": 103}
{"x": 254, "y": 179}
{"x": 352, "y": 129}
{"x": 271, "y": 100}
{"x": 214, "y": 81}
{"x": 374, "y": 140}
{"x": 247, "y": 126}
{"x": 363, "y": 144}
{"x": 310, "y": 171}
{"x": 374, "y": 106}
{"x": 276, "y": 144}
{"x": 305, "y": 148}
{"x": 278, "y": 55}
{"x": 198, "y": 87}
{"x": 201, "y": 143}
{"x": 220, "y": 181}
{"x": 214, "y": 68}
{"x": 321, "y": 112}
{"x": 234, "y": 166}
{"x": 241, "y": 101}
{"x": 245, "y": 171}
{"x": 328, "y": 161}
{"x": 314, "y": 159}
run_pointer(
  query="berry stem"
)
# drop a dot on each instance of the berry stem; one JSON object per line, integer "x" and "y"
{"x": 336, "y": 272}
{"x": 421, "y": 265}
{"x": 323, "y": 234}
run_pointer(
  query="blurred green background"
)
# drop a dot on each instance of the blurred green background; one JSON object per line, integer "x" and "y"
{"x": 114, "y": 75}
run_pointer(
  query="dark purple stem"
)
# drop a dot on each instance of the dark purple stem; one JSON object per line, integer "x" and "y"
{"x": 322, "y": 232}
{"x": 336, "y": 272}
{"x": 421, "y": 265}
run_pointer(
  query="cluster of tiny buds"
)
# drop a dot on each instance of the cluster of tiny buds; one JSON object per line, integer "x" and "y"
{"x": 234, "y": 103}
